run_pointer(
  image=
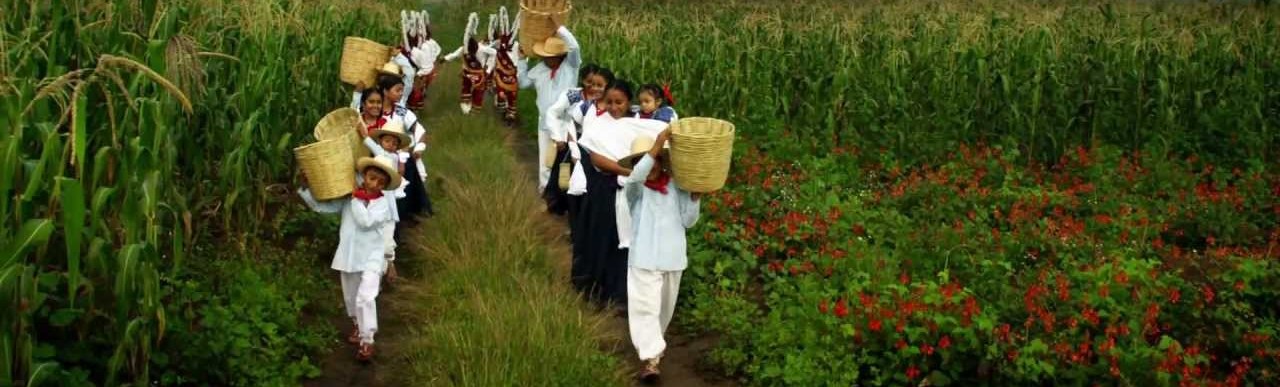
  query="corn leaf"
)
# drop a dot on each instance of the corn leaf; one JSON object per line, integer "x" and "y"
{"x": 33, "y": 233}
{"x": 73, "y": 212}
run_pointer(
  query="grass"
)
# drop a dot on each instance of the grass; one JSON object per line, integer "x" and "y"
{"x": 492, "y": 304}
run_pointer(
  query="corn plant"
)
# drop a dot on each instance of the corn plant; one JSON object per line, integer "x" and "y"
{"x": 137, "y": 133}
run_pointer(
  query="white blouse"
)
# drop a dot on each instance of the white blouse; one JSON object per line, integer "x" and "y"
{"x": 361, "y": 242}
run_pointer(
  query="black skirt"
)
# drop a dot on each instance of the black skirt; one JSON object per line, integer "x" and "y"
{"x": 599, "y": 267}
{"x": 557, "y": 200}
{"x": 415, "y": 200}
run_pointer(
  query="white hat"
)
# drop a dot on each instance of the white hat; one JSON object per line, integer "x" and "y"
{"x": 383, "y": 164}
{"x": 393, "y": 127}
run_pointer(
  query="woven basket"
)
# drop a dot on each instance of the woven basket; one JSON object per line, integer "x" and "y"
{"x": 538, "y": 24}
{"x": 329, "y": 168}
{"x": 701, "y": 149}
{"x": 563, "y": 181}
{"x": 341, "y": 123}
{"x": 361, "y": 59}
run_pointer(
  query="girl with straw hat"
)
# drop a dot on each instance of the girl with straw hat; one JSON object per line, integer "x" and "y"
{"x": 474, "y": 70}
{"x": 392, "y": 88}
{"x": 555, "y": 74}
{"x": 359, "y": 257}
{"x": 660, "y": 213}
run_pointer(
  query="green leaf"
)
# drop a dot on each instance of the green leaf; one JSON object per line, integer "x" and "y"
{"x": 42, "y": 372}
{"x": 938, "y": 378}
{"x": 73, "y": 212}
{"x": 64, "y": 317}
{"x": 33, "y": 232}
{"x": 78, "y": 138}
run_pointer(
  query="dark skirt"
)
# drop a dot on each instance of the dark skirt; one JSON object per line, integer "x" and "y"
{"x": 415, "y": 200}
{"x": 599, "y": 267}
{"x": 557, "y": 200}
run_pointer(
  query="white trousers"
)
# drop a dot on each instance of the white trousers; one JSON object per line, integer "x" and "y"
{"x": 651, "y": 300}
{"x": 546, "y": 150}
{"x": 360, "y": 292}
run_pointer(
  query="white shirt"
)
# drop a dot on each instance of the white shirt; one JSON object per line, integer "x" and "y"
{"x": 560, "y": 117}
{"x": 549, "y": 88}
{"x": 361, "y": 243}
{"x": 658, "y": 221}
{"x": 486, "y": 55}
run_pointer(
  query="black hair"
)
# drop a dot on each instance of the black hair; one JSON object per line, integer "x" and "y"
{"x": 364, "y": 96}
{"x": 607, "y": 74}
{"x": 387, "y": 81}
{"x": 653, "y": 88}
{"x": 623, "y": 86}
{"x": 386, "y": 176}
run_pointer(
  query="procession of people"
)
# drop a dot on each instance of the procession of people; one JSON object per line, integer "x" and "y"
{"x": 602, "y": 164}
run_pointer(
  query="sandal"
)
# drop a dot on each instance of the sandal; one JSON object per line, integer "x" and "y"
{"x": 365, "y": 353}
{"x": 649, "y": 374}
{"x": 354, "y": 338}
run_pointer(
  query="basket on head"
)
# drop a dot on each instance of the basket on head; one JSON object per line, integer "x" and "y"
{"x": 540, "y": 19}
{"x": 329, "y": 168}
{"x": 701, "y": 149}
{"x": 341, "y": 123}
{"x": 563, "y": 180}
{"x": 361, "y": 59}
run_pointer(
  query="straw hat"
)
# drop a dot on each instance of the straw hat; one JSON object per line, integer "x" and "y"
{"x": 639, "y": 147}
{"x": 383, "y": 164}
{"x": 553, "y": 46}
{"x": 395, "y": 128}
{"x": 391, "y": 68}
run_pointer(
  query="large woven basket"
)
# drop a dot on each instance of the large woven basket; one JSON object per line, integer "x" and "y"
{"x": 540, "y": 21}
{"x": 341, "y": 123}
{"x": 329, "y": 168}
{"x": 361, "y": 59}
{"x": 701, "y": 149}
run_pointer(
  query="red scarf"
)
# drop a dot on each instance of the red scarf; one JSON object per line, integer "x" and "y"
{"x": 382, "y": 120}
{"x": 659, "y": 184}
{"x": 600, "y": 112}
{"x": 366, "y": 196}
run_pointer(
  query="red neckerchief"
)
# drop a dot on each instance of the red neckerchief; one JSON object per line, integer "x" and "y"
{"x": 600, "y": 112}
{"x": 553, "y": 72}
{"x": 659, "y": 184}
{"x": 366, "y": 196}
{"x": 647, "y": 115}
{"x": 377, "y": 124}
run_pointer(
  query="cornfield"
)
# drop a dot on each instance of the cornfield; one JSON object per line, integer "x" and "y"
{"x": 1188, "y": 78}
{"x": 976, "y": 192}
{"x": 140, "y": 136}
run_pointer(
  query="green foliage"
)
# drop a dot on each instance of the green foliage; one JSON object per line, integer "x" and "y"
{"x": 142, "y": 140}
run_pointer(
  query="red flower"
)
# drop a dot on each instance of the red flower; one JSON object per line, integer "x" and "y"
{"x": 926, "y": 349}
{"x": 1208, "y": 294}
{"x": 900, "y": 344}
{"x": 841, "y": 309}
{"x": 944, "y": 342}
{"x": 822, "y": 306}
{"x": 876, "y": 325}
{"x": 904, "y": 278}
{"x": 1175, "y": 295}
{"x": 912, "y": 372}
